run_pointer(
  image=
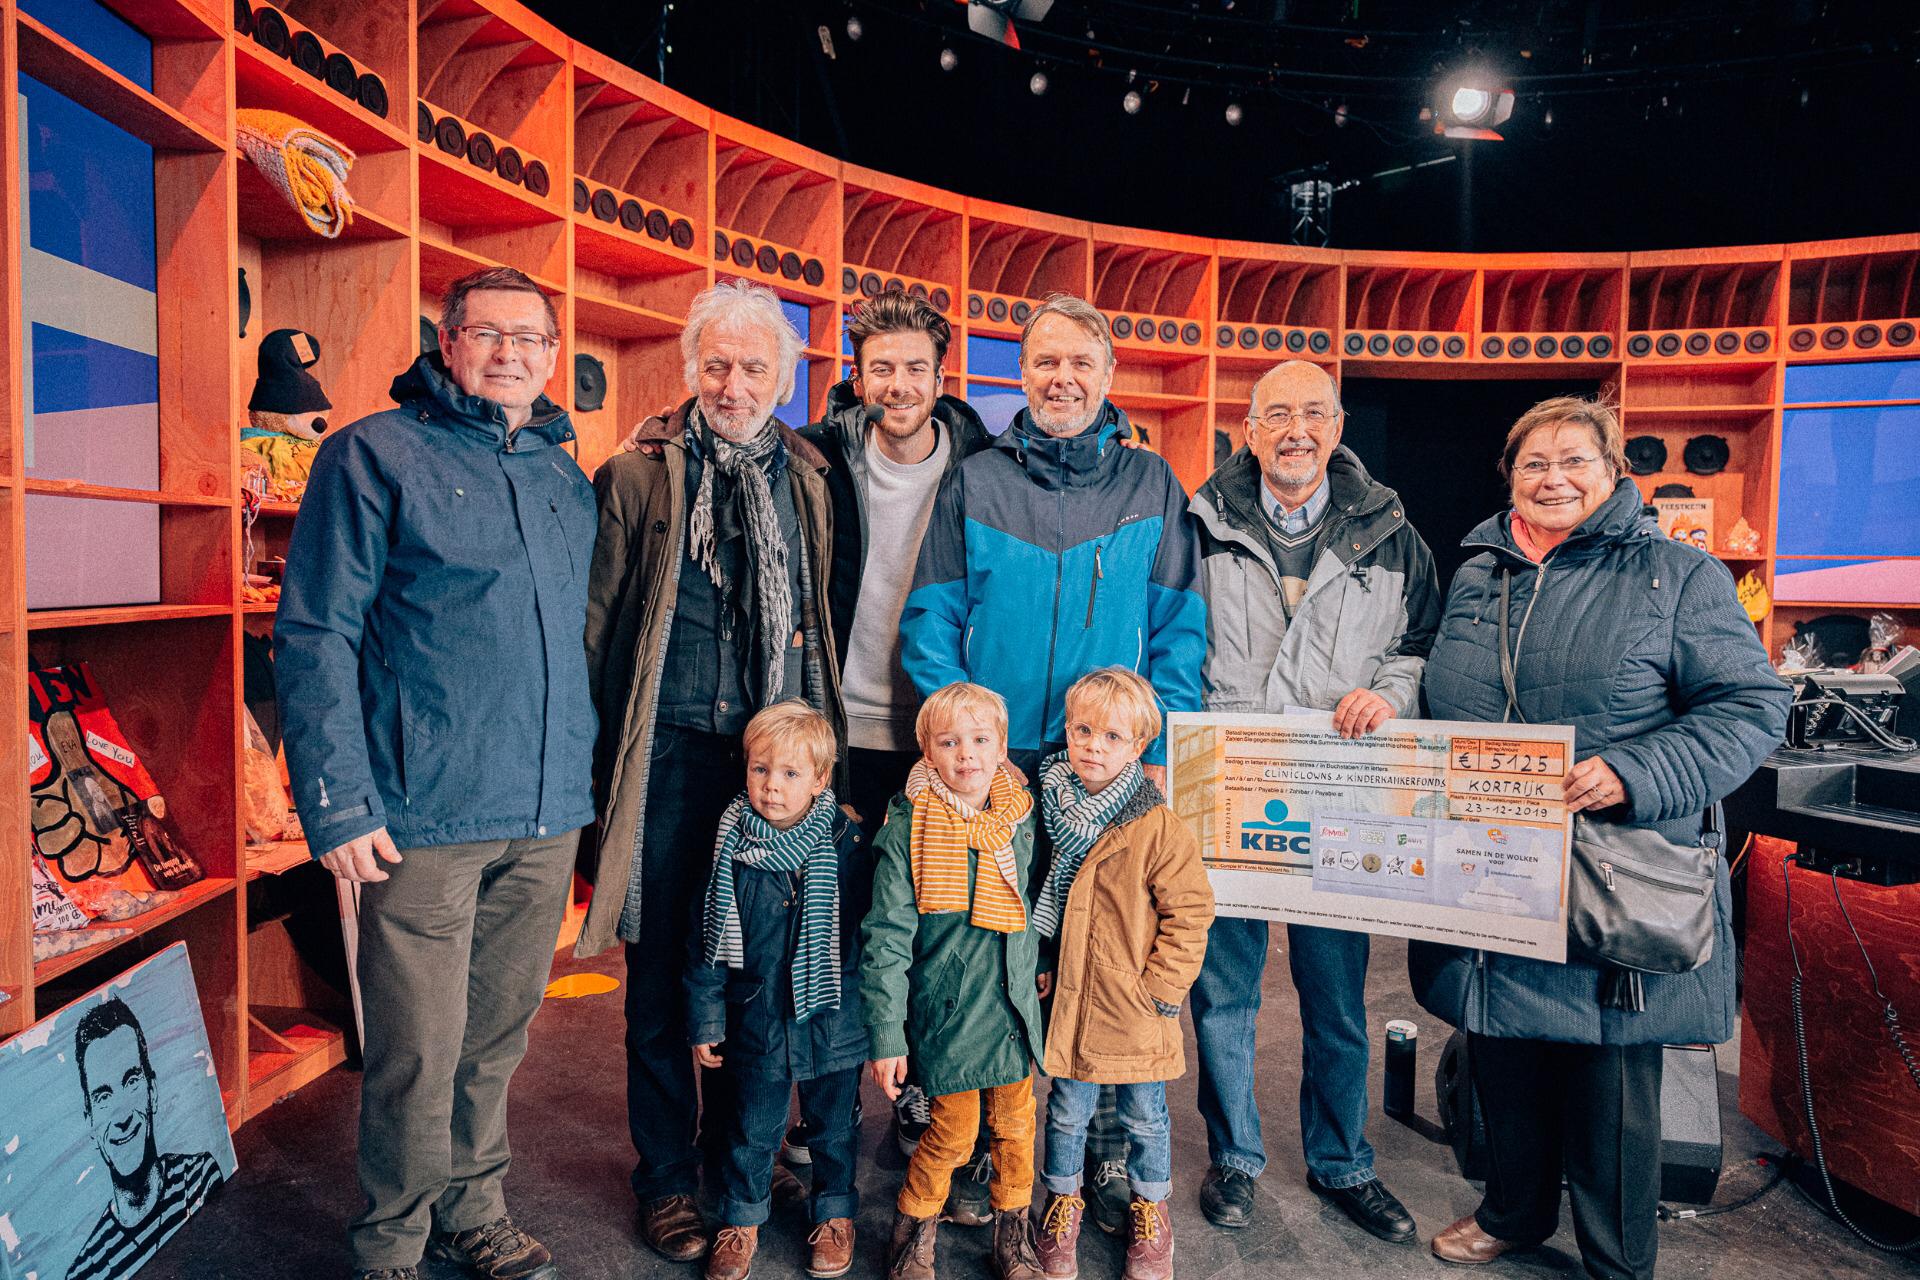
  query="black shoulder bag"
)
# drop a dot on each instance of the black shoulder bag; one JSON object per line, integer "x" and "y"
{"x": 1636, "y": 902}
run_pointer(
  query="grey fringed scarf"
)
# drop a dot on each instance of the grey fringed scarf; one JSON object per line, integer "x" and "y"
{"x": 750, "y": 467}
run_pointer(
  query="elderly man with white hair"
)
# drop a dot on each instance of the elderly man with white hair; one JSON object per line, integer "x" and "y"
{"x": 706, "y": 602}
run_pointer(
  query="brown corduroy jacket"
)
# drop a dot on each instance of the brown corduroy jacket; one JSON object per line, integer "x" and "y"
{"x": 1134, "y": 931}
{"x": 631, "y": 594}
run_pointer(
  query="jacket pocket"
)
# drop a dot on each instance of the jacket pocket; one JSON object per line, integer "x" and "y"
{"x": 1118, "y": 1020}
{"x": 933, "y": 1002}
{"x": 566, "y": 543}
{"x": 750, "y": 1012}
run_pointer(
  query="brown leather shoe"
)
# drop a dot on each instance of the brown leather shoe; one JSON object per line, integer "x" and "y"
{"x": 1059, "y": 1241}
{"x": 1016, "y": 1254}
{"x": 732, "y": 1256}
{"x": 673, "y": 1228}
{"x": 910, "y": 1257}
{"x": 786, "y": 1187}
{"x": 832, "y": 1243}
{"x": 1149, "y": 1240}
{"x": 496, "y": 1250}
{"x": 1465, "y": 1244}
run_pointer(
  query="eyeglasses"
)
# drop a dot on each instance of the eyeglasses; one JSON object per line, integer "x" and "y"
{"x": 1538, "y": 468}
{"x": 1278, "y": 419}
{"x": 489, "y": 340}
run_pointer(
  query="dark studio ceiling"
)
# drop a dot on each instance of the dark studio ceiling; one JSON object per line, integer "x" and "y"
{"x": 1635, "y": 125}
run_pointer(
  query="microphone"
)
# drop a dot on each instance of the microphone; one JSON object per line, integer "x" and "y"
{"x": 875, "y": 414}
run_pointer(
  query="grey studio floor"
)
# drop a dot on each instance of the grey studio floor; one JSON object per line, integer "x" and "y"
{"x": 282, "y": 1215}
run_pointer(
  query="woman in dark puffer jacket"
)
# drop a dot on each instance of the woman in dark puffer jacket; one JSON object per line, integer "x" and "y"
{"x": 1640, "y": 644}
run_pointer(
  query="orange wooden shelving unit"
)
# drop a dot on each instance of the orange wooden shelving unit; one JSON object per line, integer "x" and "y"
{"x": 648, "y": 197}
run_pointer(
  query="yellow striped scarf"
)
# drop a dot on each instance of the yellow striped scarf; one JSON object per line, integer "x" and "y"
{"x": 945, "y": 827}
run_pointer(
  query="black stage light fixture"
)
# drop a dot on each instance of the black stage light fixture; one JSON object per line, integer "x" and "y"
{"x": 994, "y": 19}
{"x": 1646, "y": 455}
{"x": 1473, "y": 104}
{"x": 589, "y": 383}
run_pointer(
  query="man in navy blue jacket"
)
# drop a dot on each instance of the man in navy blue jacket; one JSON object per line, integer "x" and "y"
{"x": 433, "y": 688}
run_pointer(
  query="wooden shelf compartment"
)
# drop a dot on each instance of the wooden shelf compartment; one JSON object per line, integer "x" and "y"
{"x": 196, "y": 564}
{"x": 1536, "y": 300}
{"x": 1676, "y": 387}
{"x": 443, "y": 133}
{"x": 1854, "y": 286}
{"x": 266, "y": 82}
{"x": 611, "y": 318}
{"x": 1144, "y": 278}
{"x": 58, "y": 63}
{"x": 447, "y": 253}
{"x": 1025, "y": 261}
{"x": 190, "y": 898}
{"x": 640, "y": 151}
{"x": 288, "y": 1049}
{"x": 1703, "y": 295}
{"x": 858, "y": 283}
{"x": 299, "y": 1013}
{"x": 454, "y": 193}
{"x": 1742, "y": 490}
{"x": 1410, "y": 298}
{"x": 901, "y": 241}
{"x": 765, "y": 195}
{"x": 507, "y": 75}
{"x": 372, "y": 36}
{"x": 354, "y": 297}
{"x": 645, "y": 375}
{"x": 655, "y": 270}
{"x": 1272, "y": 292}
{"x": 655, "y": 233}
{"x": 1157, "y": 338}
{"x": 1169, "y": 380}
{"x": 264, "y": 213}
{"x": 1181, "y": 435}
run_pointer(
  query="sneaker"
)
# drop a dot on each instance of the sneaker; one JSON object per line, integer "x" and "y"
{"x": 910, "y": 1256}
{"x": 1014, "y": 1254}
{"x": 970, "y": 1202}
{"x": 1059, "y": 1242}
{"x": 732, "y": 1255}
{"x": 1149, "y": 1241}
{"x": 912, "y": 1116}
{"x": 497, "y": 1250}
{"x": 794, "y": 1148}
{"x": 832, "y": 1245}
{"x": 1107, "y": 1194}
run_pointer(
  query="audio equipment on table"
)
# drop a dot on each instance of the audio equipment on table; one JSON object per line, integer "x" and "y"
{"x": 1845, "y": 708}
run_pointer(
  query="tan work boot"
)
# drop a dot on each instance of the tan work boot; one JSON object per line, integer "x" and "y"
{"x": 732, "y": 1254}
{"x": 1015, "y": 1256}
{"x": 496, "y": 1250}
{"x": 910, "y": 1257}
{"x": 832, "y": 1243}
{"x": 1149, "y": 1241}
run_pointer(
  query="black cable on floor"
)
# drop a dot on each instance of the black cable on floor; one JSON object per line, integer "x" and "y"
{"x": 1667, "y": 1213}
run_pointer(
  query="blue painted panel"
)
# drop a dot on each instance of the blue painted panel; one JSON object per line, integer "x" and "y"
{"x": 794, "y": 412}
{"x": 798, "y": 316}
{"x": 90, "y": 196}
{"x": 101, "y": 32}
{"x": 72, "y": 372}
{"x": 997, "y": 406}
{"x": 1850, "y": 482}
{"x": 1865, "y": 380}
{"x": 993, "y": 358}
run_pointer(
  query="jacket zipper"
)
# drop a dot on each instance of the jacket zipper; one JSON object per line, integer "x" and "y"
{"x": 1093, "y": 593}
{"x": 1053, "y": 624}
{"x": 1607, "y": 870}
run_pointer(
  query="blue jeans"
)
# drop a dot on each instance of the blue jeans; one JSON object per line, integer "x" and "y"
{"x": 753, "y": 1141}
{"x": 1329, "y": 969}
{"x": 1143, "y": 1115}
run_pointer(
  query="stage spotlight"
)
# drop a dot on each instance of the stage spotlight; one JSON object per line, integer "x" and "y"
{"x": 1233, "y": 113}
{"x": 994, "y": 19}
{"x": 1131, "y": 102}
{"x": 1472, "y": 105}
{"x": 949, "y": 59}
{"x": 854, "y": 29}
{"x": 1037, "y": 83}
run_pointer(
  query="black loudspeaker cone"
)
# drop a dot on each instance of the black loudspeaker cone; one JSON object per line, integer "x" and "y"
{"x": 917, "y": 290}
{"x": 768, "y": 259}
{"x": 941, "y": 299}
{"x": 1355, "y": 343}
{"x": 270, "y": 31}
{"x": 508, "y": 164}
{"x": 1639, "y": 345}
{"x": 1572, "y": 345}
{"x": 1021, "y": 311}
{"x": 535, "y": 178}
{"x": 582, "y": 198}
{"x": 480, "y": 151}
{"x": 721, "y": 246}
{"x": 429, "y": 337}
{"x": 1601, "y": 346}
{"x": 1833, "y": 337}
{"x": 450, "y": 137}
{"x": 343, "y": 77}
{"x": 1321, "y": 342}
{"x": 1698, "y": 344}
{"x": 1866, "y": 335}
{"x": 1379, "y": 344}
{"x": 976, "y": 307}
{"x": 1492, "y": 346}
{"x": 1705, "y": 455}
{"x": 680, "y": 231}
{"x": 1758, "y": 341}
{"x": 1546, "y": 345}
{"x": 1668, "y": 344}
{"x": 309, "y": 54}
{"x": 849, "y": 280}
{"x": 632, "y": 215}
{"x": 1169, "y": 331}
{"x": 1272, "y": 339}
{"x": 814, "y": 272}
{"x": 997, "y": 309}
{"x": 245, "y": 297}
{"x": 1122, "y": 327}
{"x": 1223, "y": 336}
{"x": 606, "y": 207}
{"x": 870, "y": 285}
{"x": 423, "y": 122}
{"x": 1521, "y": 347}
{"x": 1899, "y": 334}
{"x": 1249, "y": 338}
{"x": 589, "y": 383}
{"x": 1726, "y": 343}
{"x": 242, "y": 18}
{"x": 790, "y": 265}
{"x": 1645, "y": 454}
{"x": 896, "y": 285}
{"x": 1403, "y": 345}
{"x": 658, "y": 224}
{"x": 1801, "y": 340}
{"x": 1429, "y": 346}
{"x": 1190, "y": 334}
{"x": 1674, "y": 491}
{"x": 371, "y": 90}
{"x": 1296, "y": 340}
{"x": 743, "y": 253}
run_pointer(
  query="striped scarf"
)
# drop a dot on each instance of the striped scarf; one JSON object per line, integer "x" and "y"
{"x": 945, "y": 827}
{"x": 753, "y": 468}
{"x": 750, "y": 840}
{"x": 1074, "y": 821}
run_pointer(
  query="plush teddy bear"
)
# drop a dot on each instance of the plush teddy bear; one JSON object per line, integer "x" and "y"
{"x": 285, "y": 414}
